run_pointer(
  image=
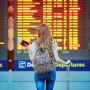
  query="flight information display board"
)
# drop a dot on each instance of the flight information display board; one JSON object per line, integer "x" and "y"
{"x": 66, "y": 19}
{"x": 3, "y": 30}
{"x": 1, "y": 24}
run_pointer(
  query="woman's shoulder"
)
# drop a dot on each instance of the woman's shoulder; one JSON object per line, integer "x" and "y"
{"x": 34, "y": 45}
{"x": 54, "y": 42}
{"x": 34, "y": 42}
{"x": 54, "y": 45}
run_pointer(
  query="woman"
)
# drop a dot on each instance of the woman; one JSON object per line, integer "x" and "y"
{"x": 45, "y": 40}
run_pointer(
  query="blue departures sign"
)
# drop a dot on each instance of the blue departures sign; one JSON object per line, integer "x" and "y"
{"x": 26, "y": 65}
{"x": 76, "y": 65}
{"x": 3, "y": 65}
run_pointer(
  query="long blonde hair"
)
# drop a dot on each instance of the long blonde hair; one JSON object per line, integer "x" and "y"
{"x": 44, "y": 38}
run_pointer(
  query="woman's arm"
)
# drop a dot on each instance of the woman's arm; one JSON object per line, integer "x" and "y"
{"x": 59, "y": 60}
{"x": 31, "y": 54}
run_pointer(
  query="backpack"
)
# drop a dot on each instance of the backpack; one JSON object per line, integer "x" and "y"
{"x": 44, "y": 63}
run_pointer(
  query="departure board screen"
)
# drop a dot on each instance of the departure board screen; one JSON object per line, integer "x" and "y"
{"x": 66, "y": 19}
{"x": 3, "y": 30}
{"x": 1, "y": 24}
